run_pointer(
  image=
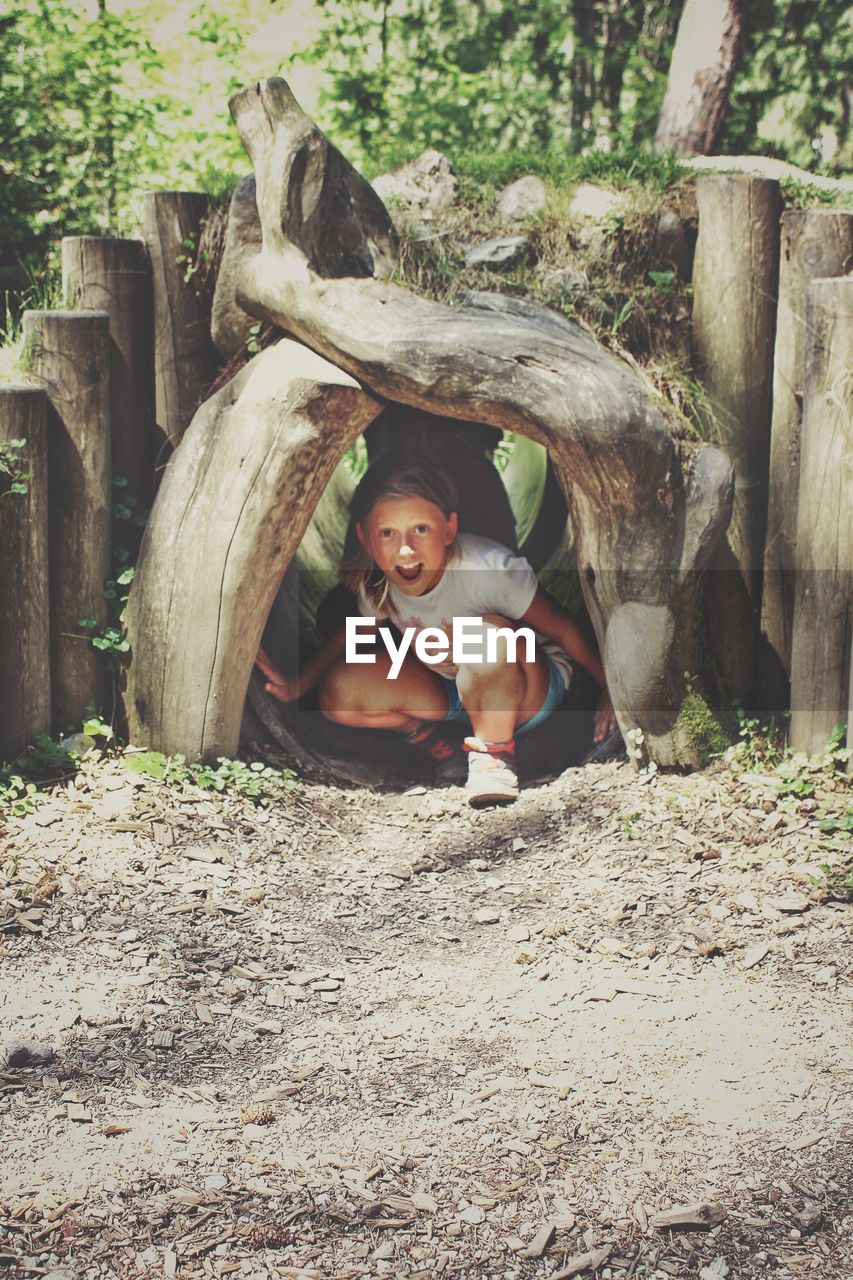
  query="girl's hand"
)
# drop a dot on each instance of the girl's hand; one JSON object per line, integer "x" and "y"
{"x": 605, "y": 718}
{"x": 281, "y": 687}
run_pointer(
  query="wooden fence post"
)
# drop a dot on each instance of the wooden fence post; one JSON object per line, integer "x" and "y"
{"x": 69, "y": 354}
{"x": 816, "y": 244}
{"x": 185, "y": 359}
{"x": 100, "y": 274}
{"x": 24, "y": 613}
{"x": 735, "y": 275}
{"x": 823, "y": 605}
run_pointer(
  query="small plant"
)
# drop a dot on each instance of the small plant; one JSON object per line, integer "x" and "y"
{"x": 14, "y": 473}
{"x": 629, "y": 825}
{"x": 256, "y": 781}
{"x": 760, "y": 746}
{"x": 18, "y": 797}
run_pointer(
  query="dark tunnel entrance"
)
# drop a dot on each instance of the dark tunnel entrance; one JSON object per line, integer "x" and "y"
{"x": 509, "y": 493}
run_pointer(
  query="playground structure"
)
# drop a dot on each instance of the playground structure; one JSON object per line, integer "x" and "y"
{"x": 255, "y": 484}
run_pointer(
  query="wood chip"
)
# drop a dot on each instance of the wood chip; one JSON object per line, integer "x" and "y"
{"x": 542, "y": 1241}
{"x": 703, "y": 1213}
{"x": 755, "y": 955}
{"x": 583, "y": 1262}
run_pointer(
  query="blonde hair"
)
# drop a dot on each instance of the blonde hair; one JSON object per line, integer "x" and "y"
{"x": 391, "y": 475}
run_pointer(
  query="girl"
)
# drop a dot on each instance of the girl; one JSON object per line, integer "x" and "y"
{"x": 407, "y": 563}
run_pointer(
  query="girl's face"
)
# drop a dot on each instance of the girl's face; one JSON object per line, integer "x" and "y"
{"x": 407, "y": 538}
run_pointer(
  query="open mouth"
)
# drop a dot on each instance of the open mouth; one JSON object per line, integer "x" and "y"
{"x": 410, "y": 573}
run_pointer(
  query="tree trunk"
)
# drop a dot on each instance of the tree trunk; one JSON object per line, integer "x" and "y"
{"x": 24, "y": 613}
{"x": 69, "y": 351}
{"x": 100, "y": 274}
{"x": 700, "y": 76}
{"x": 816, "y": 243}
{"x": 185, "y": 360}
{"x": 642, "y": 535}
{"x": 734, "y": 315}
{"x": 823, "y": 608}
{"x": 230, "y": 514}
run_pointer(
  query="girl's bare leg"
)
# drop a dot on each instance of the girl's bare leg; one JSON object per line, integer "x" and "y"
{"x": 501, "y": 695}
{"x": 362, "y": 695}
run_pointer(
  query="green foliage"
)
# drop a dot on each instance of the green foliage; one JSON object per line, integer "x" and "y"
{"x": 48, "y": 761}
{"x": 14, "y": 472}
{"x": 70, "y": 96}
{"x": 257, "y": 781}
{"x": 761, "y": 749}
{"x": 790, "y": 96}
{"x": 405, "y": 76}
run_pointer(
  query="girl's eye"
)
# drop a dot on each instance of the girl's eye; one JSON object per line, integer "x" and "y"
{"x": 421, "y": 529}
{"x": 386, "y": 533}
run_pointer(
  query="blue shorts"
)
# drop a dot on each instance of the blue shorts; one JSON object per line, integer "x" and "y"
{"x": 553, "y": 698}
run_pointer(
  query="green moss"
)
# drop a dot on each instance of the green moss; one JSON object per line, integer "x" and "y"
{"x": 701, "y": 728}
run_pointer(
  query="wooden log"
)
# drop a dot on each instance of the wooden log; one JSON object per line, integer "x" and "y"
{"x": 70, "y": 357}
{"x": 185, "y": 360}
{"x": 100, "y": 274}
{"x": 823, "y": 604}
{"x": 816, "y": 244}
{"x": 231, "y": 511}
{"x": 24, "y": 612}
{"x": 735, "y": 276}
{"x": 643, "y": 535}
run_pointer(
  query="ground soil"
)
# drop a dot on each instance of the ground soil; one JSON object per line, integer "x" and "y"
{"x": 361, "y": 1034}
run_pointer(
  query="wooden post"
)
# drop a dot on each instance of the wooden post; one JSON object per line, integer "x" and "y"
{"x": 185, "y": 359}
{"x": 816, "y": 243}
{"x": 24, "y": 614}
{"x": 233, "y": 507}
{"x": 823, "y": 605}
{"x": 69, "y": 353}
{"x": 735, "y": 277}
{"x": 99, "y": 274}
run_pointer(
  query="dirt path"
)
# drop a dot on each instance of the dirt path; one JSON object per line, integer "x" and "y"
{"x": 363, "y": 1035}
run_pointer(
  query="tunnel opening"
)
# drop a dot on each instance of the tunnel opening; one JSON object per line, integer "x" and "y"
{"x": 509, "y": 493}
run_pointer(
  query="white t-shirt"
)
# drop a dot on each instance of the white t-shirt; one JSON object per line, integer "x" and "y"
{"x": 481, "y": 577}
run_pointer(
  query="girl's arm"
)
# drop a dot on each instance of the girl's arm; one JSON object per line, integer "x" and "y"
{"x": 547, "y": 616}
{"x": 290, "y": 688}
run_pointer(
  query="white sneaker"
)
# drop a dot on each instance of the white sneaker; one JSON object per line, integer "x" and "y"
{"x": 491, "y": 779}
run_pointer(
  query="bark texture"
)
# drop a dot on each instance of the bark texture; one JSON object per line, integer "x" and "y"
{"x": 816, "y": 244}
{"x": 101, "y": 274}
{"x": 700, "y": 76}
{"x": 69, "y": 353}
{"x": 823, "y": 608}
{"x": 642, "y": 537}
{"x": 185, "y": 359}
{"x": 24, "y": 614}
{"x": 735, "y": 276}
{"x": 230, "y": 514}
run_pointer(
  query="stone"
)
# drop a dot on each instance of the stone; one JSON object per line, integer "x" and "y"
{"x": 422, "y": 188}
{"x": 568, "y": 279}
{"x": 597, "y": 203}
{"x": 18, "y": 1054}
{"x": 500, "y": 252}
{"x": 522, "y": 198}
{"x": 384, "y": 1250}
{"x": 670, "y": 245}
{"x": 487, "y": 915}
{"x": 230, "y": 325}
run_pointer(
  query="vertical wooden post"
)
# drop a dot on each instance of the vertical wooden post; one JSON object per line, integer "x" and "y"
{"x": 99, "y": 274}
{"x": 816, "y": 244}
{"x": 735, "y": 275}
{"x": 69, "y": 353}
{"x": 823, "y": 605}
{"x": 185, "y": 360}
{"x": 24, "y": 613}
